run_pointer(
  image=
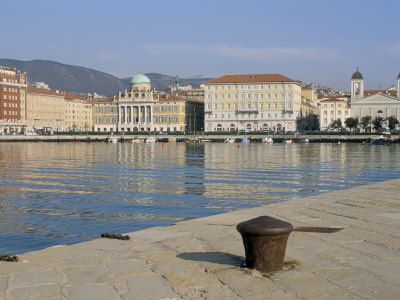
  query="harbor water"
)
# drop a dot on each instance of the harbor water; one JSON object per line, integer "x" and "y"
{"x": 64, "y": 193}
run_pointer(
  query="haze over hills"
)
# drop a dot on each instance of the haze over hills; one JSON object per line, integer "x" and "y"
{"x": 83, "y": 80}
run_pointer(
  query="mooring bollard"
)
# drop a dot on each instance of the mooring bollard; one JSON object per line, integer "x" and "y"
{"x": 264, "y": 240}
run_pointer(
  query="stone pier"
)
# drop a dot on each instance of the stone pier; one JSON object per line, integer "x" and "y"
{"x": 202, "y": 258}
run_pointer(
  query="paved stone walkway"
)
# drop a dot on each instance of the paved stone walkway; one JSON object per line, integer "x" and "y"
{"x": 200, "y": 259}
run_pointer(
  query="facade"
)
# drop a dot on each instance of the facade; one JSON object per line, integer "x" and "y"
{"x": 253, "y": 102}
{"x": 140, "y": 109}
{"x": 309, "y": 112}
{"x": 174, "y": 113}
{"x": 332, "y": 109}
{"x": 374, "y": 104}
{"x": 45, "y": 109}
{"x": 13, "y": 86}
{"x": 78, "y": 113}
{"x": 104, "y": 114}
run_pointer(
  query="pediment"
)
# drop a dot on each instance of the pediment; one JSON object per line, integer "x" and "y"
{"x": 377, "y": 99}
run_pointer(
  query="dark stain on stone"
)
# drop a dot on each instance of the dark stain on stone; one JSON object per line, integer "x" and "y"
{"x": 318, "y": 229}
{"x": 9, "y": 258}
{"x": 115, "y": 236}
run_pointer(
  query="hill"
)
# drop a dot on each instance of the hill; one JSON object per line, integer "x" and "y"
{"x": 81, "y": 80}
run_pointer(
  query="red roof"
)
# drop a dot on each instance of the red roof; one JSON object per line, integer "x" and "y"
{"x": 373, "y": 92}
{"x": 246, "y": 78}
{"x": 35, "y": 90}
{"x": 74, "y": 96}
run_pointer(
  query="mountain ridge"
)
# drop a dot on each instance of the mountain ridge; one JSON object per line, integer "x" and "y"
{"x": 82, "y": 80}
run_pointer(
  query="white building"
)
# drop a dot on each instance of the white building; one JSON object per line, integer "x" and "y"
{"x": 381, "y": 103}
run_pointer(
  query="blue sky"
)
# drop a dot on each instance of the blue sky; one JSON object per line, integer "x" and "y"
{"x": 311, "y": 40}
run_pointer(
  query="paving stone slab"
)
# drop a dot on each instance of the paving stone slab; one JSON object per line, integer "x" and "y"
{"x": 91, "y": 292}
{"x": 39, "y": 292}
{"x": 148, "y": 287}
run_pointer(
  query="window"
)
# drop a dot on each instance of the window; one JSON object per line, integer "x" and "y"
{"x": 282, "y": 86}
{"x": 248, "y": 87}
{"x": 269, "y": 105}
{"x": 289, "y": 86}
{"x": 209, "y": 96}
{"x": 325, "y": 112}
{"x": 282, "y": 96}
{"x": 339, "y": 112}
{"x": 276, "y": 105}
{"x": 222, "y": 116}
{"x": 332, "y": 105}
{"x": 229, "y": 106}
{"x": 269, "y": 86}
{"x": 276, "y": 86}
{"x": 222, "y": 87}
{"x": 276, "y": 96}
{"x": 332, "y": 112}
{"x": 282, "y": 105}
{"x": 222, "y": 106}
{"x": 339, "y": 105}
{"x": 215, "y": 106}
{"x": 325, "y": 105}
{"x": 262, "y": 105}
{"x": 215, "y": 87}
{"x": 222, "y": 96}
{"x": 262, "y": 96}
{"x": 208, "y": 87}
{"x": 229, "y": 87}
{"x": 269, "y": 96}
{"x": 215, "y": 115}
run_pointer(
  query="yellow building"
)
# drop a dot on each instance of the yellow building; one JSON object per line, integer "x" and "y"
{"x": 174, "y": 113}
{"x": 78, "y": 113}
{"x": 45, "y": 109}
{"x": 253, "y": 102}
{"x": 309, "y": 112}
{"x": 104, "y": 114}
{"x": 332, "y": 109}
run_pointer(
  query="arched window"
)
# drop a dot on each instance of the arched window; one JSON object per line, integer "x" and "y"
{"x": 379, "y": 112}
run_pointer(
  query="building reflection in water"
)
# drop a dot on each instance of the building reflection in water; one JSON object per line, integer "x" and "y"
{"x": 55, "y": 193}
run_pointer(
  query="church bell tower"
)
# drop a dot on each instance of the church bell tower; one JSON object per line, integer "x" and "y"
{"x": 357, "y": 86}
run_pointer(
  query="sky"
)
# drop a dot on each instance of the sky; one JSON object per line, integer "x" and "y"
{"x": 321, "y": 41}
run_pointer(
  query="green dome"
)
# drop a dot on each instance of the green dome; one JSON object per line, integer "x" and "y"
{"x": 140, "y": 78}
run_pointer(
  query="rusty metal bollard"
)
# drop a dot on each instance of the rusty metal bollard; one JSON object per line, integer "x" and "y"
{"x": 264, "y": 240}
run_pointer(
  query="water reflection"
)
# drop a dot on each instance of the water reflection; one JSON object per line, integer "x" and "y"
{"x": 54, "y": 193}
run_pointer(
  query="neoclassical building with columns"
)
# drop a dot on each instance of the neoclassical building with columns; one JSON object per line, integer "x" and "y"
{"x": 140, "y": 109}
{"x": 373, "y": 103}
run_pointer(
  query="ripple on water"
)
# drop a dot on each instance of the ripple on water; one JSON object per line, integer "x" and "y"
{"x": 62, "y": 193}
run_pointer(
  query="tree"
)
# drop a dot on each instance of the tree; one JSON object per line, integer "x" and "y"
{"x": 365, "y": 122}
{"x": 337, "y": 124}
{"x": 392, "y": 122}
{"x": 377, "y": 123}
{"x": 351, "y": 122}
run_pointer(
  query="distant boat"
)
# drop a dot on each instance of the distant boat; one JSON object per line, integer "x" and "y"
{"x": 288, "y": 142}
{"x": 113, "y": 139}
{"x": 151, "y": 140}
{"x": 267, "y": 140}
{"x": 245, "y": 141}
{"x": 384, "y": 139}
{"x": 303, "y": 141}
{"x": 230, "y": 140}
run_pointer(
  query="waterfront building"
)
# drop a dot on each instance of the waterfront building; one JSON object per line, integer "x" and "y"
{"x": 13, "y": 86}
{"x": 252, "y": 102}
{"x": 141, "y": 109}
{"x": 334, "y": 108}
{"x": 45, "y": 109}
{"x": 135, "y": 106}
{"x": 374, "y": 103}
{"x": 104, "y": 114}
{"x": 309, "y": 112}
{"x": 175, "y": 113}
{"x": 78, "y": 113}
